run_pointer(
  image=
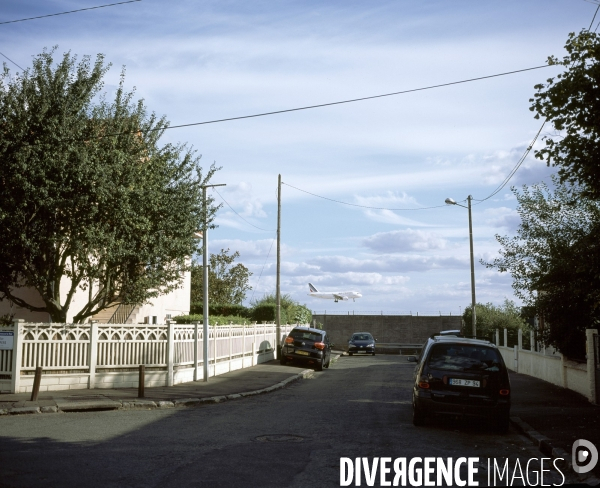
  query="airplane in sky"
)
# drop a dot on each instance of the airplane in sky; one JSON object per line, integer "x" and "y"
{"x": 333, "y": 295}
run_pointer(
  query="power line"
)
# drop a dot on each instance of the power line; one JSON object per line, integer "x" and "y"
{"x": 261, "y": 271}
{"x": 360, "y": 206}
{"x": 12, "y": 62}
{"x": 259, "y": 228}
{"x": 514, "y": 170}
{"x": 352, "y": 100}
{"x": 594, "y": 17}
{"x": 308, "y": 107}
{"x": 68, "y": 12}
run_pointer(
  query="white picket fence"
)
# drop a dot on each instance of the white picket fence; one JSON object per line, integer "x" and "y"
{"x": 76, "y": 356}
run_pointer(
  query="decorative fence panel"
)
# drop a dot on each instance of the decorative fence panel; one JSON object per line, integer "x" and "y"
{"x": 108, "y": 355}
{"x": 127, "y": 346}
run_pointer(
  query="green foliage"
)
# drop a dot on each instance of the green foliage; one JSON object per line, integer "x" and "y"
{"x": 291, "y": 311}
{"x": 267, "y": 312}
{"x": 212, "y": 320}
{"x": 226, "y": 283}
{"x": 555, "y": 262}
{"x": 490, "y": 317}
{"x": 571, "y": 102}
{"x": 88, "y": 193}
{"x": 224, "y": 310}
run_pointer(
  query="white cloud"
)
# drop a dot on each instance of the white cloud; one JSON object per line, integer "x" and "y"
{"x": 404, "y": 240}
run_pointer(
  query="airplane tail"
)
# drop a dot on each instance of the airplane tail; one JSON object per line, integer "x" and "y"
{"x": 312, "y": 288}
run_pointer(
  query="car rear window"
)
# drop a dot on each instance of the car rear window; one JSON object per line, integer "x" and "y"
{"x": 306, "y": 335}
{"x": 463, "y": 357}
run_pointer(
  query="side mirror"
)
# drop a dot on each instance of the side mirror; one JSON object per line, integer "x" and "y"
{"x": 331, "y": 345}
{"x": 411, "y": 359}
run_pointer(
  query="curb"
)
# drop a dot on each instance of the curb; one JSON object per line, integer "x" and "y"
{"x": 143, "y": 404}
{"x": 545, "y": 445}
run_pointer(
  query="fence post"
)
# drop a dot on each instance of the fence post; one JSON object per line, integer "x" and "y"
{"x": 520, "y": 339}
{"x": 532, "y": 341}
{"x": 215, "y": 349}
{"x": 230, "y": 346}
{"x": 497, "y": 337}
{"x": 243, "y": 345}
{"x": 17, "y": 355}
{"x": 196, "y": 351}
{"x": 516, "y": 365}
{"x": 170, "y": 351}
{"x": 591, "y": 366}
{"x": 93, "y": 353}
{"x": 254, "y": 358}
{"x": 505, "y": 338}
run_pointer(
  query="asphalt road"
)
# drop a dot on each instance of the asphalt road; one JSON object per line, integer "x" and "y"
{"x": 360, "y": 407}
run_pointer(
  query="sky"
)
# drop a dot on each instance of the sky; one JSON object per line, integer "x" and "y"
{"x": 196, "y": 61}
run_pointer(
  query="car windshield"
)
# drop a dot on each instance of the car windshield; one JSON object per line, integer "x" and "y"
{"x": 306, "y": 335}
{"x": 362, "y": 337}
{"x": 463, "y": 357}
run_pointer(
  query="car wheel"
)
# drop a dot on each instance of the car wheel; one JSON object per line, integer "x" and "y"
{"x": 373, "y": 354}
{"x": 282, "y": 360}
{"x": 350, "y": 353}
{"x": 327, "y": 365}
{"x": 502, "y": 425}
{"x": 418, "y": 418}
{"x": 319, "y": 365}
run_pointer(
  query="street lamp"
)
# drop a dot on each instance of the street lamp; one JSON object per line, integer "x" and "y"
{"x": 450, "y": 201}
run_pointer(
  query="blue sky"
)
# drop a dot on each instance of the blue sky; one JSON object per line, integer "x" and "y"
{"x": 194, "y": 61}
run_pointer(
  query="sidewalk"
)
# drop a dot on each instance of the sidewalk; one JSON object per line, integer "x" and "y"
{"x": 558, "y": 416}
{"x": 262, "y": 378}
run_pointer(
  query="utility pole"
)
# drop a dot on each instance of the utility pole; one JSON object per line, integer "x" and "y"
{"x": 473, "y": 302}
{"x": 278, "y": 286}
{"x": 205, "y": 285}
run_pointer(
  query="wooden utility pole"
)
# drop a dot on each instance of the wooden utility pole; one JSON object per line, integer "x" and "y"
{"x": 278, "y": 286}
{"x": 205, "y": 286}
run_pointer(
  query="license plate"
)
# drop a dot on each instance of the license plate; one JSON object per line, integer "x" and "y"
{"x": 459, "y": 382}
{"x": 303, "y": 353}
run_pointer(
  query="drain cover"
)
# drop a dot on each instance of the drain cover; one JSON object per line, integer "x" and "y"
{"x": 280, "y": 438}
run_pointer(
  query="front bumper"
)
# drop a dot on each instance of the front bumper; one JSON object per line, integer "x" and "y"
{"x": 356, "y": 349}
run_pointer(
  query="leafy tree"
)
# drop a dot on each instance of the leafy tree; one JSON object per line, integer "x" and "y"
{"x": 291, "y": 311}
{"x": 555, "y": 261}
{"x": 571, "y": 102}
{"x": 227, "y": 284}
{"x": 491, "y": 317}
{"x": 88, "y": 194}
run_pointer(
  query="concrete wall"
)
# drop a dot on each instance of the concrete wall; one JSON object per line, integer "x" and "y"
{"x": 555, "y": 368}
{"x": 387, "y": 329}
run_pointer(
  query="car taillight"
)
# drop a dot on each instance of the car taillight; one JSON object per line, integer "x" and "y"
{"x": 319, "y": 345}
{"x": 424, "y": 384}
{"x": 289, "y": 340}
{"x": 504, "y": 392}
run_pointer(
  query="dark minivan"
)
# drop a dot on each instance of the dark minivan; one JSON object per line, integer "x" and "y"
{"x": 307, "y": 345}
{"x": 463, "y": 378}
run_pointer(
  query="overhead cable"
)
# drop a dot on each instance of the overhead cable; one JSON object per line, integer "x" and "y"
{"x": 4, "y": 55}
{"x": 360, "y": 206}
{"x": 261, "y": 271}
{"x": 259, "y": 228}
{"x": 514, "y": 170}
{"x": 68, "y": 12}
{"x": 308, "y": 107}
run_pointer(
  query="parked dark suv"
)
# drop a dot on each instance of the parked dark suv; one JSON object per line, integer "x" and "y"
{"x": 307, "y": 345}
{"x": 463, "y": 378}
